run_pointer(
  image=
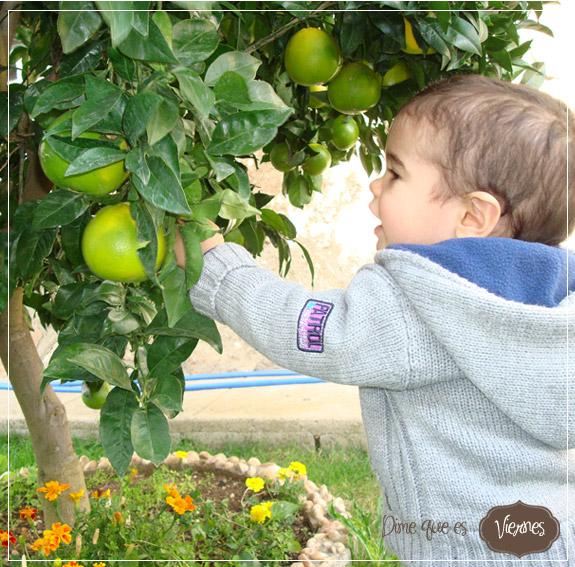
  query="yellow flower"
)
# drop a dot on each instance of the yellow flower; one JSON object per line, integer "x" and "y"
{"x": 181, "y": 454}
{"x": 27, "y": 512}
{"x": 172, "y": 490}
{"x": 284, "y": 474}
{"x": 181, "y": 505}
{"x": 52, "y": 489}
{"x": 99, "y": 565}
{"x": 48, "y": 543}
{"x": 62, "y": 531}
{"x": 73, "y": 564}
{"x": 255, "y": 483}
{"x": 133, "y": 472}
{"x": 261, "y": 512}
{"x": 57, "y": 562}
{"x": 99, "y": 493}
{"x": 76, "y": 496}
{"x": 298, "y": 468}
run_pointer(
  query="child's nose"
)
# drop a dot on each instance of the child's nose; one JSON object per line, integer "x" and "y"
{"x": 374, "y": 187}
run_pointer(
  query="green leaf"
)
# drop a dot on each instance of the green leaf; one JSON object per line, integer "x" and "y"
{"x": 139, "y": 110}
{"x": 234, "y": 207}
{"x": 195, "y": 91}
{"x": 94, "y": 159}
{"x": 69, "y": 151}
{"x": 166, "y": 354}
{"x": 153, "y": 48}
{"x": 308, "y": 260}
{"x": 191, "y": 325}
{"x": 277, "y": 222}
{"x": 245, "y": 132}
{"x": 162, "y": 121}
{"x": 175, "y": 295}
{"x": 116, "y": 428}
{"x": 146, "y": 232}
{"x": 463, "y": 35}
{"x": 283, "y": 510}
{"x": 164, "y": 189}
{"x": 59, "y": 207}
{"x": 60, "y": 93}
{"x": 82, "y": 60}
{"x": 101, "y": 362}
{"x": 168, "y": 393}
{"x": 119, "y": 22}
{"x": 136, "y": 163}
{"x": 151, "y": 434}
{"x": 76, "y": 28}
{"x": 237, "y": 61}
{"x": 102, "y": 97}
{"x": 232, "y": 89}
{"x": 124, "y": 66}
{"x": 193, "y": 250}
{"x": 32, "y": 248}
{"x": 194, "y": 40}
{"x": 71, "y": 235}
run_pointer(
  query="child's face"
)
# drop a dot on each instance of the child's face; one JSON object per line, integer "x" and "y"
{"x": 402, "y": 197}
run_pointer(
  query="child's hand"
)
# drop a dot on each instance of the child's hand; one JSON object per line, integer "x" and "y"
{"x": 206, "y": 245}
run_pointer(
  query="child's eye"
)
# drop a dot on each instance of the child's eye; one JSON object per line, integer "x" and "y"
{"x": 394, "y": 175}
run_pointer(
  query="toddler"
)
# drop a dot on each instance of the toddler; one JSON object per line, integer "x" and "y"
{"x": 456, "y": 335}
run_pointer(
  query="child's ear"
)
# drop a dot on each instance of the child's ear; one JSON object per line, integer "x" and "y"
{"x": 481, "y": 213}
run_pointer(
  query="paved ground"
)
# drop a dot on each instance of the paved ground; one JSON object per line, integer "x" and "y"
{"x": 309, "y": 414}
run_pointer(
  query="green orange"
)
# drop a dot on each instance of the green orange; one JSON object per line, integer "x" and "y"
{"x": 355, "y": 89}
{"x": 280, "y": 157}
{"x": 312, "y": 57}
{"x": 97, "y": 182}
{"x": 344, "y": 132}
{"x": 397, "y": 74}
{"x": 318, "y": 163}
{"x": 110, "y": 245}
{"x": 94, "y": 394}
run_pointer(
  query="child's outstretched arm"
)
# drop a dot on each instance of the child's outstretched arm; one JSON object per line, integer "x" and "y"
{"x": 354, "y": 336}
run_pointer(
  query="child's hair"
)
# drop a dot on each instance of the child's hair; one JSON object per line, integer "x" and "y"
{"x": 508, "y": 139}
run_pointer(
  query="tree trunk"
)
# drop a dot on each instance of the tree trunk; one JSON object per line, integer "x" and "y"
{"x": 45, "y": 414}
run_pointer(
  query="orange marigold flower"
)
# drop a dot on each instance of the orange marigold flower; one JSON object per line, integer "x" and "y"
{"x": 62, "y": 531}
{"x": 52, "y": 489}
{"x": 72, "y": 564}
{"x": 181, "y": 505}
{"x": 28, "y": 512}
{"x": 7, "y": 536}
{"x": 47, "y": 544}
{"x": 118, "y": 517}
{"x": 172, "y": 490}
{"x": 76, "y": 496}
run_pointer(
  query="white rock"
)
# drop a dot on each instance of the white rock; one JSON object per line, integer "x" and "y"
{"x": 204, "y": 455}
{"x": 254, "y": 461}
{"x": 104, "y": 464}
{"x": 90, "y": 467}
{"x": 268, "y": 470}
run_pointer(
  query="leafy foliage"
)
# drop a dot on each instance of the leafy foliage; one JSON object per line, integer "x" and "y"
{"x": 182, "y": 97}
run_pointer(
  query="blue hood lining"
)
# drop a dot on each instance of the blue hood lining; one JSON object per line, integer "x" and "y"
{"x": 517, "y": 270}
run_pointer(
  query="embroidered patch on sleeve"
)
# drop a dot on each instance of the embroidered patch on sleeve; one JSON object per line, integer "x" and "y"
{"x": 311, "y": 325}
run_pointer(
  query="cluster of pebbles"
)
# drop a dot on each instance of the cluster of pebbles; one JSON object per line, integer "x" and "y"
{"x": 327, "y": 548}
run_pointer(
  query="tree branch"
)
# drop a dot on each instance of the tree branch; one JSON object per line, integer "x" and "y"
{"x": 280, "y": 31}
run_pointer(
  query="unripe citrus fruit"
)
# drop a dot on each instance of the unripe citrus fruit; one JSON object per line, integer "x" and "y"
{"x": 317, "y": 164}
{"x": 93, "y": 396}
{"x": 312, "y": 57}
{"x": 110, "y": 245}
{"x": 411, "y": 45}
{"x": 344, "y": 132}
{"x": 315, "y": 101}
{"x": 279, "y": 157}
{"x": 97, "y": 182}
{"x": 356, "y": 88}
{"x": 397, "y": 74}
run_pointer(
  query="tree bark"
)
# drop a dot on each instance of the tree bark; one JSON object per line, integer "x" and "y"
{"x": 45, "y": 414}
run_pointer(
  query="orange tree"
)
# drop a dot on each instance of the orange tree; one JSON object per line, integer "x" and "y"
{"x": 144, "y": 113}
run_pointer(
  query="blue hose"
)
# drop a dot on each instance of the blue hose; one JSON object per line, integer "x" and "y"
{"x": 74, "y": 387}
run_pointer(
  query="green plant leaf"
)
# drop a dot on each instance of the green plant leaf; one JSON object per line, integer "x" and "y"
{"x": 234, "y": 207}
{"x": 151, "y": 434}
{"x": 164, "y": 189}
{"x": 119, "y": 22}
{"x": 94, "y": 159}
{"x": 81, "y": 60}
{"x": 152, "y": 48}
{"x": 194, "y": 40}
{"x": 76, "y": 28}
{"x": 192, "y": 238}
{"x": 101, "y": 362}
{"x": 463, "y": 35}
{"x": 59, "y": 207}
{"x": 139, "y": 110}
{"x": 245, "y": 132}
{"x": 146, "y": 231}
{"x": 237, "y": 61}
{"x": 162, "y": 121}
{"x": 166, "y": 354}
{"x": 195, "y": 91}
{"x": 32, "y": 248}
{"x": 175, "y": 295}
{"x": 59, "y": 94}
{"x": 116, "y": 428}
{"x": 168, "y": 393}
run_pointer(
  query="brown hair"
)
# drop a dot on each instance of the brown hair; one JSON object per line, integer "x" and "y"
{"x": 504, "y": 138}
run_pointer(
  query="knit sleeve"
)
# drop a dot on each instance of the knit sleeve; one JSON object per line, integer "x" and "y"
{"x": 355, "y": 336}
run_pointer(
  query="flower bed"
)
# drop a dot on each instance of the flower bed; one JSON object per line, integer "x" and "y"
{"x": 299, "y": 509}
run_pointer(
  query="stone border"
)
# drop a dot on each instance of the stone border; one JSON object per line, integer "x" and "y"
{"x": 327, "y": 548}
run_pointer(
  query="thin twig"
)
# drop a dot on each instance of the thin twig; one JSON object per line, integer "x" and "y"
{"x": 280, "y": 31}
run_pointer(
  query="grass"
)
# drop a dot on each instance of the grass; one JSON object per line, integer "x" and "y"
{"x": 345, "y": 471}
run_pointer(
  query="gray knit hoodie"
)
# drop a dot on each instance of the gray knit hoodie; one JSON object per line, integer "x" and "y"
{"x": 460, "y": 351}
